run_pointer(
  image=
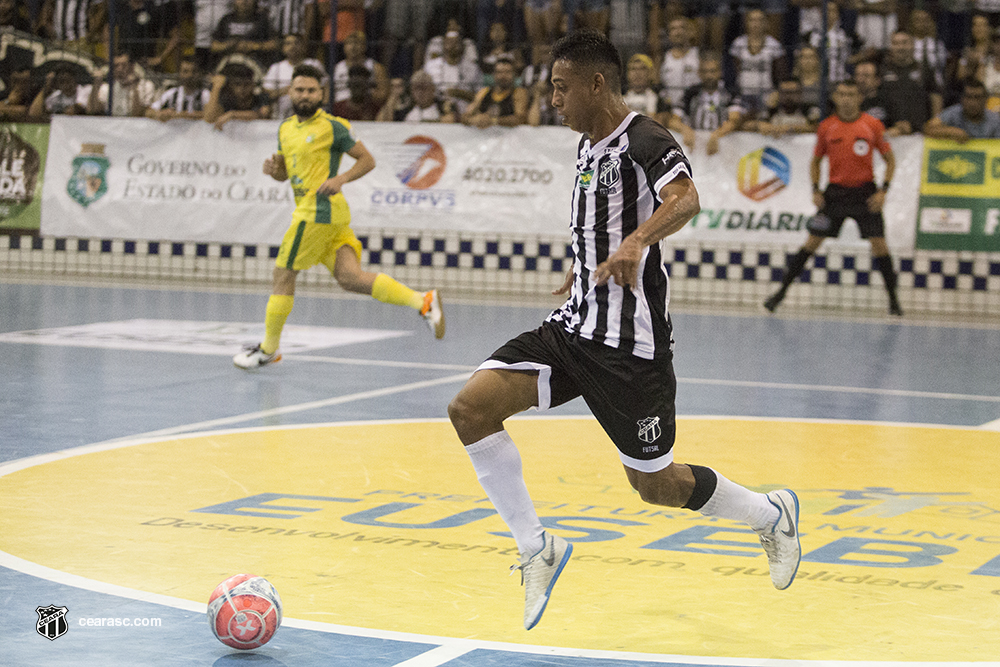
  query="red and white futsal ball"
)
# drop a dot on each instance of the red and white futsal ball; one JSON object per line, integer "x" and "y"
{"x": 244, "y": 611}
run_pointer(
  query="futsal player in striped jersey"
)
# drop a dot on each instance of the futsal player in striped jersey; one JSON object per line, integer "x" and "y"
{"x": 848, "y": 139}
{"x": 611, "y": 342}
{"x": 310, "y": 146}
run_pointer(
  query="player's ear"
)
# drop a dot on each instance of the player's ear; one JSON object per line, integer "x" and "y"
{"x": 598, "y": 82}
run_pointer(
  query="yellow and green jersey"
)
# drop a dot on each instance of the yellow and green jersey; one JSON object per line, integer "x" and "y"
{"x": 312, "y": 152}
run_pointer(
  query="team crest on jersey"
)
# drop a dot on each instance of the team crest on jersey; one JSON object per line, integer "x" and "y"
{"x": 861, "y": 147}
{"x": 611, "y": 173}
{"x": 649, "y": 429}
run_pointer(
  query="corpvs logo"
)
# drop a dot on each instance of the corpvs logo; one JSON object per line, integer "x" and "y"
{"x": 89, "y": 180}
{"x": 418, "y": 164}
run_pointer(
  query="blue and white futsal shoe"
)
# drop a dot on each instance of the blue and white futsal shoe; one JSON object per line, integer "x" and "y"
{"x": 781, "y": 541}
{"x": 254, "y": 357}
{"x": 539, "y": 573}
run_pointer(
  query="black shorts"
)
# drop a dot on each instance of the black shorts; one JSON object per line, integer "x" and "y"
{"x": 632, "y": 398}
{"x": 840, "y": 203}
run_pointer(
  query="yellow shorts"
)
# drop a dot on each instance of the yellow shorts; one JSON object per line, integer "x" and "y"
{"x": 307, "y": 244}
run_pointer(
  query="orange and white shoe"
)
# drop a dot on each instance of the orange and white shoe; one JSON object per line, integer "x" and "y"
{"x": 433, "y": 314}
{"x": 254, "y": 357}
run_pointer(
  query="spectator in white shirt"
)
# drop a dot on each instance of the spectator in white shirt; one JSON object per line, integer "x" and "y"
{"x": 61, "y": 94}
{"x": 355, "y": 54}
{"x": 425, "y": 106}
{"x": 679, "y": 70}
{"x": 759, "y": 61}
{"x": 132, "y": 93}
{"x": 456, "y": 79}
{"x": 278, "y": 79}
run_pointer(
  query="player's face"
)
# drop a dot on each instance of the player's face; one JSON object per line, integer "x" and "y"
{"x": 573, "y": 95}
{"x": 306, "y": 96}
{"x": 847, "y": 101}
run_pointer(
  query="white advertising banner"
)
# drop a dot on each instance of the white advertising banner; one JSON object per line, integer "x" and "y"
{"x": 176, "y": 181}
{"x": 186, "y": 181}
{"x": 758, "y": 190}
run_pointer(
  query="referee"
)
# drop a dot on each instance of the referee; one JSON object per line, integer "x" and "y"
{"x": 848, "y": 139}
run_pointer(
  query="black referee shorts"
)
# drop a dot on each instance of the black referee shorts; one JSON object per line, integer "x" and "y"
{"x": 632, "y": 398}
{"x": 840, "y": 203}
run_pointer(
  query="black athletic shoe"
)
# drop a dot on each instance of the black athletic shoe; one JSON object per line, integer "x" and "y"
{"x": 772, "y": 303}
{"x": 894, "y": 308}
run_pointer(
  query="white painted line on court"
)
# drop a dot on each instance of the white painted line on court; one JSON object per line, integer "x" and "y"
{"x": 301, "y": 407}
{"x": 991, "y": 426}
{"x": 846, "y": 390}
{"x": 376, "y": 362}
{"x": 438, "y": 656}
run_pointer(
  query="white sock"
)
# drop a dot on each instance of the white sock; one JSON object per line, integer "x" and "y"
{"x": 498, "y": 467}
{"x": 732, "y": 501}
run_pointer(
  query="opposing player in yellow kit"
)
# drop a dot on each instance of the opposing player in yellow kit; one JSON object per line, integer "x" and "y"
{"x": 310, "y": 146}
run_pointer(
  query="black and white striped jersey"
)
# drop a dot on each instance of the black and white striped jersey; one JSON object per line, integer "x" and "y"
{"x": 180, "y": 98}
{"x": 71, "y": 20}
{"x": 618, "y": 181}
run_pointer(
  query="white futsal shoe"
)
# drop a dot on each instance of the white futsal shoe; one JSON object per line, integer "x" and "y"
{"x": 254, "y": 357}
{"x": 433, "y": 314}
{"x": 781, "y": 541}
{"x": 539, "y": 573}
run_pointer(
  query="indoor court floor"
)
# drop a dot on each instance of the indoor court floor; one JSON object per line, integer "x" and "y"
{"x": 139, "y": 468}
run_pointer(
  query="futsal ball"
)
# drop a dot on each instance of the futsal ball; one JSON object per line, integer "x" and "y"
{"x": 244, "y": 611}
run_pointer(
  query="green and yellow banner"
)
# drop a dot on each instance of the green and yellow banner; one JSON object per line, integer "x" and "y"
{"x": 960, "y": 196}
{"x": 22, "y": 164}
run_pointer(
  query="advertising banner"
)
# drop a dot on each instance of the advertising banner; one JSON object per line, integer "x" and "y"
{"x": 185, "y": 181}
{"x": 178, "y": 181}
{"x": 758, "y": 190}
{"x": 960, "y": 196}
{"x": 22, "y": 165}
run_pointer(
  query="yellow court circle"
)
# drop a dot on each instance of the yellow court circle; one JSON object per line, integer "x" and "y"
{"x": 383, "y": 525}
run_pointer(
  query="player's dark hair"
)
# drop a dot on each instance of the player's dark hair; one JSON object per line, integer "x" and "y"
{"x": 591, "y": 49}
{"x": 504, "y": 59}
{"x": 851, "y": 83}
{"x": 308, "y": 71}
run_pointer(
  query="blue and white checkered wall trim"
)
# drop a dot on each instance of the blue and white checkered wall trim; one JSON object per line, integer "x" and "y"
{"x": 701, "y": 272}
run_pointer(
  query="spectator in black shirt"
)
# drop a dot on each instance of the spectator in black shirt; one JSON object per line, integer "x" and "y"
{"x": 245, "y": 30}
{"x": 143, "y": 25}
{"x": 908, "y": 87}
{"x": 872, "y": 103}
{"x": 233, "y": 97}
